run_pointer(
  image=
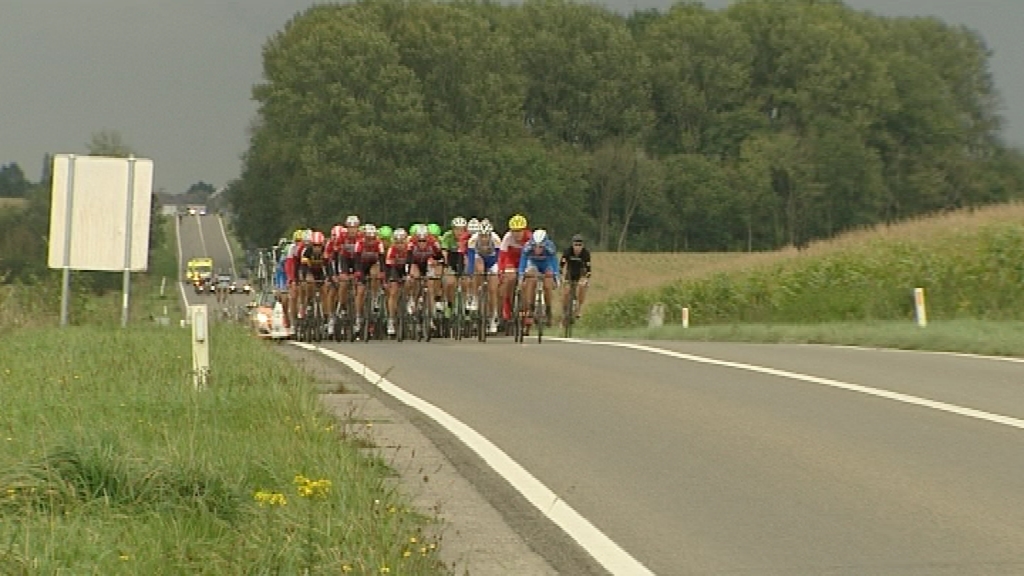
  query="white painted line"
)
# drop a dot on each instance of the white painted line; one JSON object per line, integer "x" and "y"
{"x": 202, "y": 239}
{"x": 905, "y": 398}
{"x": 181, "y": 266}
{"x": 231, "y": 255}
{"x": 603, "y": 549}
{"x": 1013, "y": 359}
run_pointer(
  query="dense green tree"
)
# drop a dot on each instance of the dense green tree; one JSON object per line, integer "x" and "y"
{"x": 12, "y": 181}
{"x": 770, "y": 123}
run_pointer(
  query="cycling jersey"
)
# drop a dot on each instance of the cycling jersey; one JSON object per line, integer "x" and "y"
{"x": 510, "y": 249}
{"x": 542, "y": 257}
{"x": 396, "y": 262}
{"x": 486, "y": 247}
{"x": 421, "y": 255}
{"x": 313, "y": 263}
{"x": 343, "y": 253}
{"x": 365, "y": 254}
{"x": 456, "y": 245}
{"x": 576, "y": 265}
{"x": 292, "y": 258}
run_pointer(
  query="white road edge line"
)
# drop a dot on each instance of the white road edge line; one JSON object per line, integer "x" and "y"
{"x": 596, "y": 543}
{"x": 231, "y": 255}
{"x": 898, "y": 397}
{"x": 202, "y": 239}
{"x": 933, "y": 352}
{"x": 181, "y": 264}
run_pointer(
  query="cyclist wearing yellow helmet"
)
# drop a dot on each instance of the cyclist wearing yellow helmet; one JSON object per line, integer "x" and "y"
{"x": 508, "y": 259}
{"x": 291, "y": 270}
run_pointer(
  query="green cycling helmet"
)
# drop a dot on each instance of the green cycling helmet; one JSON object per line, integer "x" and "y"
{"x": 434, "y": 229}
{"x": 385, "y": 232}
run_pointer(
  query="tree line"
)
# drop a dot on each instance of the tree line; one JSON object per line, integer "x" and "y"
{"x": 25, "y": 227}
{"x": 770, "y": 123}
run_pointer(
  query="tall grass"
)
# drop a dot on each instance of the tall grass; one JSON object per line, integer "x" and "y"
{"x": 111, "y": 463}
{"x": 971, "y": 265}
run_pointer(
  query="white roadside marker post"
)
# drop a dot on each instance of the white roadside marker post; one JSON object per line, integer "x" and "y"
{"x": 920, "y": 312}
{"x": 686, "y": 317}
{"x": 200, "y": 345}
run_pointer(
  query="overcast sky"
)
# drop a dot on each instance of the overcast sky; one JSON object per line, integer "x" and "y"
{"x": 175, "y": 76}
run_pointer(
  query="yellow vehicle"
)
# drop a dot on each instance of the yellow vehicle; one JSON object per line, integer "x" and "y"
{"x": 199, "y": 269}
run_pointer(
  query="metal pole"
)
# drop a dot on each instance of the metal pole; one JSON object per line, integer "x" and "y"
{"x": 128, "y": 241}
{"x": 65, "y": 292}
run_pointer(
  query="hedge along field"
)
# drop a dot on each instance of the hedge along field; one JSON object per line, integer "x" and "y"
{"x": 971, "y": 265}
{"x": 111, "y": 463}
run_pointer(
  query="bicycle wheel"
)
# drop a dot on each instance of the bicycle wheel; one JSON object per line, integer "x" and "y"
{"x": 540, "y": 313}
{"x": 517, "y": 316}
{"x": 364, "y": 330}
{"x": 400, "y": 313}
{"x": 481, "y": 311}
{"x": 318, "y": 319}
{"x": 426, "y": 315}
{"x": 568, "y": 314}
{"x": 458, "y": 314}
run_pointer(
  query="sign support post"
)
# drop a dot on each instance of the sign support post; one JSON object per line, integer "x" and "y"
{"x": 127, "y": 283}
{"x": 65, "y": 291}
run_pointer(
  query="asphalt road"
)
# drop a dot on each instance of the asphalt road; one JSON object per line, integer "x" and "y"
{"x": 696, "y": 468}
{"x": 203, "y": 236}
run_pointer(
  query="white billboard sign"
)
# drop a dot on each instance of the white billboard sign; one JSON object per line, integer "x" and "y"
{"x": 96, "y": 191}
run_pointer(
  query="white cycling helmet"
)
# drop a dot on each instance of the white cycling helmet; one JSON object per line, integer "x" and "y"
{"x": 539, "y": 236}
{"x": 473, "y": 226}
{"x": 399, "y": 235}
{"x": 307, "y": 235}
{"x": 486, "y": 227}
{"x": 459, "y": 222}
{"x": 370, "y": 230}
{"x": 352, "y": 221}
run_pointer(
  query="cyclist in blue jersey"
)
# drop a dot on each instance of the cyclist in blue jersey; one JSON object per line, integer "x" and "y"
{"x": 482, "y": 255}
{"x": 539, "y": 257}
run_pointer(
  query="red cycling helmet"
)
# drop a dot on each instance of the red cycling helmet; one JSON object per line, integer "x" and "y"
{"x": 318, "y": 238}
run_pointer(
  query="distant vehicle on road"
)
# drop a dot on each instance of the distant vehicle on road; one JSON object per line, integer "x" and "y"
{"x": 199, "y": 269}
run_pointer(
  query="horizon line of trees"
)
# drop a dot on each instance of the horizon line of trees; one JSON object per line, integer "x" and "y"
{"x": 766, "y": 124}
{"x": 24, "y": 228}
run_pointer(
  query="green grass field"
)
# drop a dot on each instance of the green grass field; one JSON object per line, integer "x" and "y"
{"x": 111, "y": 463}
{"x": 855, "y": 289}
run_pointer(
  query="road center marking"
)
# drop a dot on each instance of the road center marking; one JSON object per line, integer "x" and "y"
{"x": 889, "y": 395}
{"x": 596, "y": 543}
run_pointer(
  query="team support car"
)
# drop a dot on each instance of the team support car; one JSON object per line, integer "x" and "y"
{"x": 241, "y": 286}
{"x": 264, "y": 320}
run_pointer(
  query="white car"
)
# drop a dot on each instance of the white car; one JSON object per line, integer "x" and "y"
{"x": 202, "y": 211}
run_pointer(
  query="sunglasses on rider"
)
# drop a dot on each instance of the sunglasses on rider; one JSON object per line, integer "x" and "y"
{"x": 577, "y": 243}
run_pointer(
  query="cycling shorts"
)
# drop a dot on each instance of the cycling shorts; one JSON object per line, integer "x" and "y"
{"x": 490, "y": 263}
{"x": 425, "y": 271}
{"x": 397, "y": 273}
{"x": 365, "y": 269}
{"x": 457, "y": 263}
{"x": 539, "y": 266}
{"x": 318, "y": 273}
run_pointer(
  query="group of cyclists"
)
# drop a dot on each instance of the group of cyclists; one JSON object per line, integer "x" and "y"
{"x": 360, "y": 256}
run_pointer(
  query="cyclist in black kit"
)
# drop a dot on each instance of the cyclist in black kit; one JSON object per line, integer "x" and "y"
{"x": 575, "y": 265}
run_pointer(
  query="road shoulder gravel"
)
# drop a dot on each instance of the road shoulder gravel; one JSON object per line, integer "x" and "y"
{"x": 496, "y": 534}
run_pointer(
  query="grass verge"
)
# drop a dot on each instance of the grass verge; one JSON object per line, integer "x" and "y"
{"x": 971, "y": 336}
{"x": 971, "y": 265}
{"x": 110, "y": 463}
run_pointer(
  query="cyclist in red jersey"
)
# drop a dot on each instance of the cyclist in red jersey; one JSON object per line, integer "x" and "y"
{"x": 295, "y": 284}
{"x": 396, "y": 268}
{"x": 368, "y": 252}
{"x": 344, "y": 261}
{"x": 424, "y": 255}
{"x": 312, "y": 267}
{"x": 508, "y": 259}
{"x": 331, "y": 291}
